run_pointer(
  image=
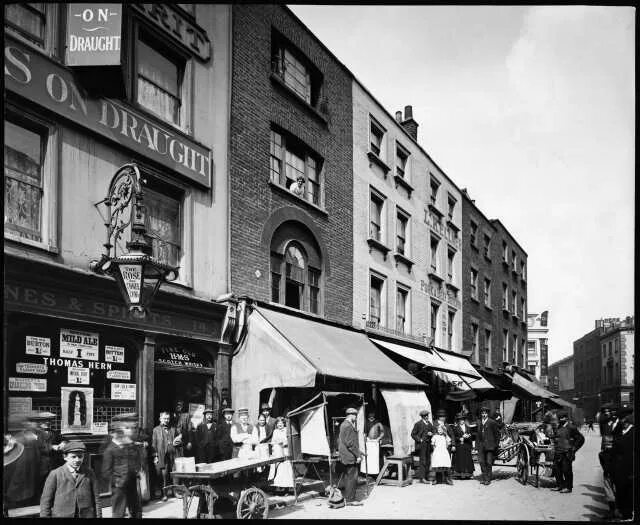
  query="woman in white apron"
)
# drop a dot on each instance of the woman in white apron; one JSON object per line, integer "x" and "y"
{"x": 280, "y": 474}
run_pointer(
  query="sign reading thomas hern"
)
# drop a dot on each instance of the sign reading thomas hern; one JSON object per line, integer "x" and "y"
{"x": 94, "y": 34}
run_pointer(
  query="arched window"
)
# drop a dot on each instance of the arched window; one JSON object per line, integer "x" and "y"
{"x": 295, "y": 269}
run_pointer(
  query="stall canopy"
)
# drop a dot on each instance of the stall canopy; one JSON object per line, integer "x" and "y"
{"x": 523, "y": 388}
{"x": 404, "y": 407}
{"x": 281, "y": 350}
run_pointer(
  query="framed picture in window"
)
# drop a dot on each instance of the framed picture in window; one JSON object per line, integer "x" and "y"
{"x": 77, "y": 410}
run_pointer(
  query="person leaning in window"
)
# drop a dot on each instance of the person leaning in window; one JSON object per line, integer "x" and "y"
{"x": 349, "y": 455}
{"x": 297, "y": 187}
{"x": 71, "y": 491}
{"x": 567, "y": 441}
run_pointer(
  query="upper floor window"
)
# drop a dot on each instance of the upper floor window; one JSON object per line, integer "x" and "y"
{"x": 523, "y": 308}
{"x": 434, "y": 254}
{"x": 402, "y": 245}
{"x": 434, "y": 185}
{"x": 376, "y": 135}
{"x": 294, "y": 167}
{"x": 505, "y": 252}
{"x": 434, "y": 321}
{"x": 505, "y": 296}
{"x": 474, "y": 342}
{"x": 164, "y": 225}
{"x": 375, "y": 216}
{"x": 402, "y": 295}
{"x": 487, "y": 292}
{"x": 29, "y": 179}
{"x": 522, "y": 269}
{"x": 514, "y": 302}
{"x": 514, "y": 259}
{"x": 474, "y": 283}
{"x": 402, "y": 156}
{"x": 451, "y": 206}
{"x": 487, "y": 246}
{"x": 160, "y": 76}
{"x": 28, "y": 20}
{"x": 297, "y": 73}
{"x": 487, "y": 347}
{"x": 514, "y": 349}
{"x": 450, "y": 256}
{"x": 376, "y": 310}
{"x": 474, "y": 233}
{"x": 294, "y": 282}
{"x": 505, "y": 342}
{"x": 451, "y": 320}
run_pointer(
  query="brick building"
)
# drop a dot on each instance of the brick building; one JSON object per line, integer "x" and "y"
{"x": 494, "y": 290}
{"x": 588, "y": 371}
{"x": 618, "y": 352}
{"x": 561, "y": 378}
{"x": 291, "y": 117}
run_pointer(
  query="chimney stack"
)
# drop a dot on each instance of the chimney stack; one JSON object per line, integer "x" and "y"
{"x": 409, "y": 125}
{"x": 399, "y": 117}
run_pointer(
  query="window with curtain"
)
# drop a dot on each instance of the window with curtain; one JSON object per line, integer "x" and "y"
{"x": 159, "y": 79}
{"x": 295, "y": 266}
{"x": 28, "y": 19}
{"x": 24, "y": 153}
{"x": 401, "y": 309}
{"x": 375, "y": 217}
{"x": 164, "y": 225}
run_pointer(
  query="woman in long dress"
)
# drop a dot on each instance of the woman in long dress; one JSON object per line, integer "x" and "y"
{"x": 440, "y": 458}
{"x": 280, "y": 474}
{"x": 462, "y": 459}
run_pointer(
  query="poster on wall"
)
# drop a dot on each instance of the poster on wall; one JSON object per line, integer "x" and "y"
{"x": 77, "y": 410}
{"x": 79, "y": 345}
{"x": 27, "y": 384}
{"x": 78, "y": 376}
{"x": 37, "y": 345}
{"x": 123, "y": 391}
{"x": 32, "y": 368}
{"x": 114, "y": 354}
{"x": 20, "y": 405}
{"x": 122, "y": 375}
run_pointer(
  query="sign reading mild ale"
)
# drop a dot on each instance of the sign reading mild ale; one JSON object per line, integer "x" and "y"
{"x": 94, "y": 34}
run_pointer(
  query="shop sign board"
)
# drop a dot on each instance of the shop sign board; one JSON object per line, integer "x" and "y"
{"x": 100, "y": 428}
{"x": 94, "y": 34}
{"x": 123, "y": 391}
{"x": 77, "y": 409}
{"x": 27, "y": 384}
{"x": 79, "y": 345}
{"x": 37, "y": 345}
{"x": 31, "y": 368}
{"x": 132, "y": 279}
{"x": 114, "y": 354}
{"x": 178, "y": 356}
{"x": 20, "y": 405}
{"x": 78, "y": 376}
{"x": 124, "y": 375}
{"x": 37, "y": 78}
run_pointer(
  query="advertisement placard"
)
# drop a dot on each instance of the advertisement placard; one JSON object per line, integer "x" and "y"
{"x": 123, "y": 375}
{"x": 32, "y": 368}
{"x": 78, "y": 376}
{"x": 37, "y": 345}
{"x": 27, "y": 384}
{"x": 114, "y": 354}
{"x": 77, "y": 409}
{"x": 20, "y": 405}
{"x": 79, "y": 345}
{"x": 100, "y": 428}
{"x": 123, "y": 391}
{"x": 94, "y": 34}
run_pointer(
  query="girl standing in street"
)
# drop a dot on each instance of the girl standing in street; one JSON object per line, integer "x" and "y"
{"x": 440, "y": 458}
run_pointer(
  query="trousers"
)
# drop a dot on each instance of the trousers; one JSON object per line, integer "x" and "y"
{"x": 485, "y": 458}
{"x": 126, "y": 497}
{"x": 350, "y": 473}
{"x": 563, "y": 470}
{"x": 422, "y": 472}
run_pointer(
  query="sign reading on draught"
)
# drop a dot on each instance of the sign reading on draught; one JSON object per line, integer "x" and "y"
{"x": 94, "y": 34}
{"x": 132, "y": 279}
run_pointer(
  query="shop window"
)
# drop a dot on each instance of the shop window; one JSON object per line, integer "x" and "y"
{"x": 162, "y": 80}
{"x": 402, "y": 297}
{"x": 375, "y": 300}
{"x": 290, "y": 161}
{"x": 30, "y": 157}
{"x": 376, "y": 136}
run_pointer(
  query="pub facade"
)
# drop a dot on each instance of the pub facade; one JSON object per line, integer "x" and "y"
{"x": 150, "y": 88}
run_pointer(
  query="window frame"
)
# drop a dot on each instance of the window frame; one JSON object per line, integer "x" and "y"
{"x": 433, "y": 265}
{"x": 373, "y": 123}
{"x": 51, "y": 40}
{"x": 473, "y": 281}
{"x": 404, "y": 292}
{"x": 505, "y": 346}
{"x": 434, "y": 307}
{"x": 505, "y": 296}
{"x": 487, "y": 291}
{"x": 475, "y": 340}
{"x": 451, "y": 207}
{"x": 488, "y": 341}
{"x": 403, "y": 216}
{"x": 50, "y": 150}
{"x": 451, "y": 317}
{"x": 473, "y": 227}
{"x": 401, "y": 151}
{"x": 434, "y": 188}
{"x": 451, "y": 255}
{"x": 185, "y": 73}
{"x": 376, "y": 196}
{"x": 382, "y": 305}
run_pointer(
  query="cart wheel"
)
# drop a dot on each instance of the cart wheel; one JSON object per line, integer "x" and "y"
{"x": 522, "y": 465}
{"x": 252, "y": 505}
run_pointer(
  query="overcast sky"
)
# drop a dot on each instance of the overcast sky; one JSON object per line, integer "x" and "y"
{"x": 532, "y": 109}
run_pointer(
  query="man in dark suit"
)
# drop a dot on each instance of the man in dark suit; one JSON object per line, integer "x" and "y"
{"x": 121, "y": 464}
{"x": 206, "y": 449}
{"x": 421, "y": 434}
{"x": 622, "y": 453}
{"x": 71, "y": 491}
{"x": 349, "y": 455}
{"x": 487, "y": 439}
{"x": 223, "y": 435}
{"x": 163, "y": 450}
{"x": 265, "y": 410}
{"x": 567, "y": 441}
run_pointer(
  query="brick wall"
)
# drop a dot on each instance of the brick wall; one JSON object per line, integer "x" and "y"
{"x": 257, "y": 102}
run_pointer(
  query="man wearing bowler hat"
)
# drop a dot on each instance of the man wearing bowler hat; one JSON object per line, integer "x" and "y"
{"x": 487, "y": 439}
{"x": 71, "y": 491}
{"x": 350, "y": 455}
{"x": 223, "y": 435}
{"x": 421, "y": 434}
{"x": 567, "y": 441}
{"x": 206, "y": 449}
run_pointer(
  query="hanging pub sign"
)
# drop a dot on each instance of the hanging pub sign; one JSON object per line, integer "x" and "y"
{"x": 79, "y": 345}
{"x": 177, "y": 356}
{"x": 94, "y": 34}
{"x": 37, "y": 345}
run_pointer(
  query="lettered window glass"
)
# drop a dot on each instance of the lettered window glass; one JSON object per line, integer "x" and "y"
{"x": 164, "y": 226}
{"x": 29, "y": 20}
{"x": 159, "y": 78}
{"x": 24, "y": 151}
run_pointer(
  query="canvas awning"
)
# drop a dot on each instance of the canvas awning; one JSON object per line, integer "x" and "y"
{"x": 403, "y": 407}
{"x": 523, "y": 388}
{"x": 465, "y": 369}
{"x": 282, "y": 350}
{"x": 561, "y": 402}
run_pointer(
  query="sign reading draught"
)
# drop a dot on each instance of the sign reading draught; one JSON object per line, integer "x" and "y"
{"x": 94, "y": 34}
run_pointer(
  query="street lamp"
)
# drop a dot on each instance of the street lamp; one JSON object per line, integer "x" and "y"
{"x": 138, "y": 274}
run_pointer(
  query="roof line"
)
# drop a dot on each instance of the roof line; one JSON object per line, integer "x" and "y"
{"x": 467, "y": 197}
{"x": 509, "y": 234}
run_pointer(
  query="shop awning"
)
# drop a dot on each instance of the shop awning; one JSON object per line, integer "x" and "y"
{"x": 281, "y": 350}
{"x": 465, "y": 369}
{"x": 522, "y": 387}
{"x": 561, "y": 402}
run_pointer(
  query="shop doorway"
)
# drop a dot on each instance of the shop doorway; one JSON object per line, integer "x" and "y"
{"x": 171, "y": 386}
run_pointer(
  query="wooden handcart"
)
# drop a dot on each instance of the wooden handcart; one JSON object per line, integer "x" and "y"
{"x": 219, "y": 485}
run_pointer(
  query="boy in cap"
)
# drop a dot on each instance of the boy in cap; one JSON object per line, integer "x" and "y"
{"x": 71, "y": 491}
{"x": 350, "y": 455}
{"x": 421, "y": 434}
{"x": 568, "y": 441}
{"x": 223, "y": 435}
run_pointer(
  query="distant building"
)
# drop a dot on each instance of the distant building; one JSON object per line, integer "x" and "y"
{"x": 561, "y": 378}
{"x": 538, "y": 345}
{"x": 617, "y": 354}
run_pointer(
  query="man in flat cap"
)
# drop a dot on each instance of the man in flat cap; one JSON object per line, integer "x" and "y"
{"x": 421, "y": 434}
{"x": 622, "y": 452}
{"x": 71, "y": 491}
{"x": 487, "y": 439}
{"x": 567, "y": 441}
{"x": 223, "y": 435}
{"x": 206, "y": 442}
{"x": 350, "y": 455}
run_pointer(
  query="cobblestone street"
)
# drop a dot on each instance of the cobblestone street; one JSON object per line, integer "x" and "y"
{"x": 505, "y": 498}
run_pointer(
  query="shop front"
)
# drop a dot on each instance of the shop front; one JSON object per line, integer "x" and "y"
{"x": 73, "y": 350}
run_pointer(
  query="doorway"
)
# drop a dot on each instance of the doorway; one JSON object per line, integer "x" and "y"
{"x": 173, "y": 385}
